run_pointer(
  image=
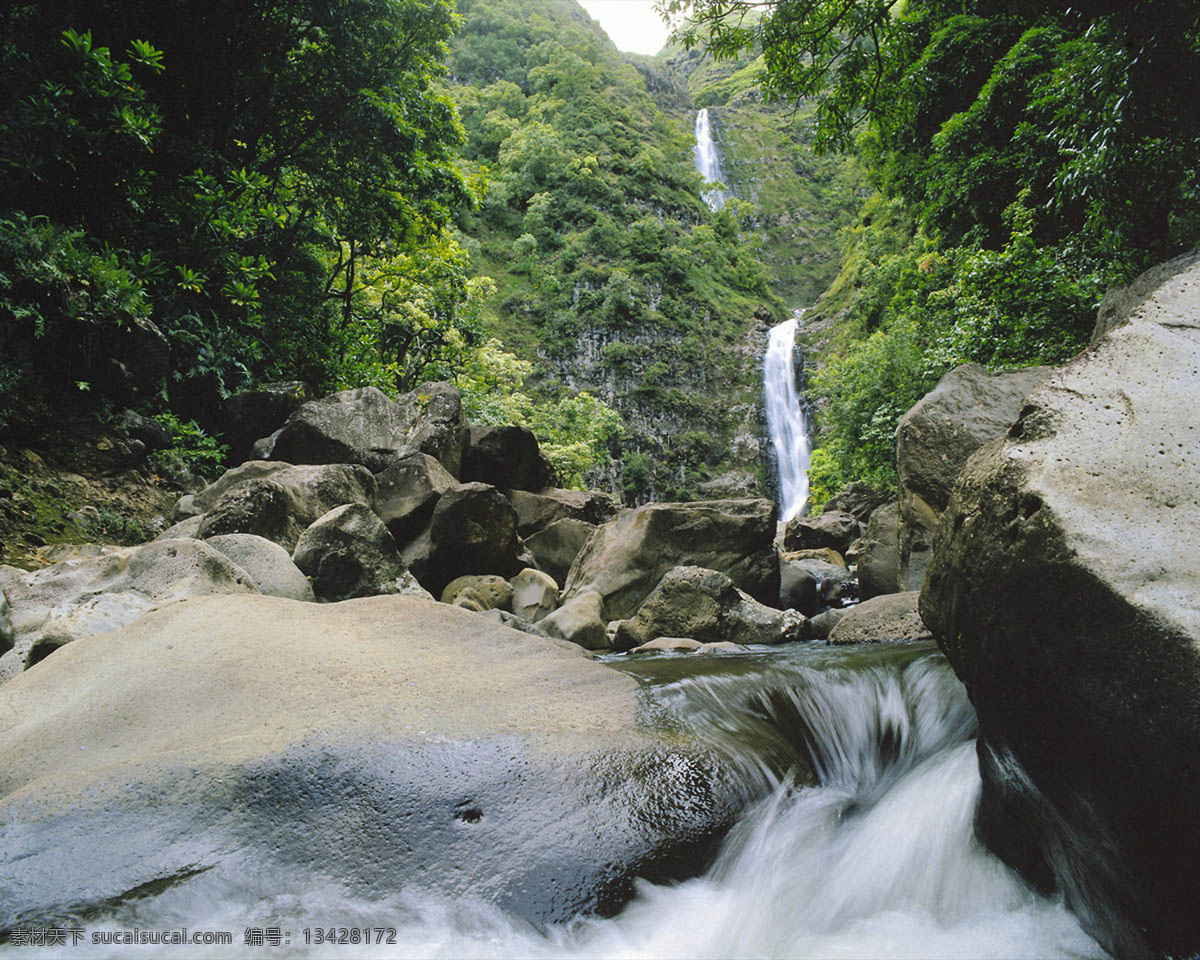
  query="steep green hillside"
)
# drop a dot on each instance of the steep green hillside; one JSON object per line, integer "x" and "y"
{"x": 803, "y": 200}
{"x": 611, "y": 272}
{"x": 1025, "y": 158}
{"x": 612, "y": 275}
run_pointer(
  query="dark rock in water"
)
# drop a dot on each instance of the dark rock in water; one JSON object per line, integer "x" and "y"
{"x": 858, "y": 500}
{"x": 1064, "y": 593}
{"x": 536, "y": 511}
{"x": 969, "y": 406}
{"x": 831, "y": 529}
{"x": 280, "y": 504}
{"x": 409, "y": 489}
{"x": 879, "y": 553}
{"x": 821, "y": 626}
{"x": 705, "y": 606}
{"x": 556, "y": 547}
{"x": 808, "y": 584}
{"x": 349, "y": 553}
{"x": 373, "y": 741}
{"x": 473, "y": 530}
{"x": 626, "y": 557}
{"x": 884, "y": 619}
{"x": 251, "y": 414}
{"x": 364, "y": 426}
{"x": 506, "y": 457}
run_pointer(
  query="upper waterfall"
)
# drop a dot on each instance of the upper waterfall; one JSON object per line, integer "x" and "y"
{"x": 708, "y": 161}
{"x": 786, "y": 423}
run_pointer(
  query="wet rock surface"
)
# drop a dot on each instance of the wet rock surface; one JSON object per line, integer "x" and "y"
{"x": 334, "y": 741}
{"x": 1064, "y": 593}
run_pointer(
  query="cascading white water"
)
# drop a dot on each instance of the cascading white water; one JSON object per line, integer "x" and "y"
{"x": 879, "y": 859}
{"x": 786, "y": 424}
{"x": 708, "y": 161}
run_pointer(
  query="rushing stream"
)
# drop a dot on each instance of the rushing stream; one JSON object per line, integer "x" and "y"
{"x": 786, "y": 423}
{"x": 874, "y": 858}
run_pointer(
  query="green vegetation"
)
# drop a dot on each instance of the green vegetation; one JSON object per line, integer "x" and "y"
{"x": 1026, "y": 156}
{"x": 197, "y": 196}
{"x": 613, "y": 277}
{"x": 801, "y": 199}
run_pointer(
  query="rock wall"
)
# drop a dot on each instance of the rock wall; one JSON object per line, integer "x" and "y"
{"x": 1065, "y": 590}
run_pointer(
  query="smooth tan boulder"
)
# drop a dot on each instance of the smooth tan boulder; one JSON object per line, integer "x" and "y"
{"x": 388, "y": 742}
{"x": 887, "y": 618}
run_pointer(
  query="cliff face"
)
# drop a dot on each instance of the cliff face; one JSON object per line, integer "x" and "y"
{"x": 612, "y": 273}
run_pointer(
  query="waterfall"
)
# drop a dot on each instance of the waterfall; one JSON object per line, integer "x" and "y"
{"x": 708, "y": 161}
{"x": 786, "y": 424}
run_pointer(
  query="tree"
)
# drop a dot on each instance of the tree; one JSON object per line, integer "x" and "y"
{"x": 239, "y": 160}
{"x": 959, "y": 106}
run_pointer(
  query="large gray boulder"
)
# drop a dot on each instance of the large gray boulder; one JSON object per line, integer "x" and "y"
{"x": 705, "y": 606}
{"x": 364, "y": 426}
{"x": 506, "y": 457}
{"x": 968, "y": 407}
{"x": 78, "y": 598}
{"x": 833, "y": 530}
{"x": 473, "y": 530}
{"x": 579, "y": 620}
{"x": 557, "y": 545}
{"x": 269, "y": 565}
{"x": 1064, "y": 591}
{"x": 281, "y": 504}
{"x": 626, "y": 557}
{"x": 879, "y": 553}
{"x": 373, "y": 741}
{"x": 409, "y": 489}
{"x": 888, "y": 618}
{"x": 536, "y": 511}
{"x": 349, "y": 553}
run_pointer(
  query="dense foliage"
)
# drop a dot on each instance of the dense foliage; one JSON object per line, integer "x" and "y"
{"x": 613, "y": 276}
{"x": 1027, "y": 155}
{"x": 198, "y": 195}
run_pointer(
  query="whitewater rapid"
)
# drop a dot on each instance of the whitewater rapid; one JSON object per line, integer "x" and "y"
{"x": 877, "y": 859}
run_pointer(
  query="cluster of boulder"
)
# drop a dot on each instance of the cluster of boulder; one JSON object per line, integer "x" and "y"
{"x": 356, "y": 495}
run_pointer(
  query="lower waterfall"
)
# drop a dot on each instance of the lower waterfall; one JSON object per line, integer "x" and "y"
{"x": 787, "y": 425}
